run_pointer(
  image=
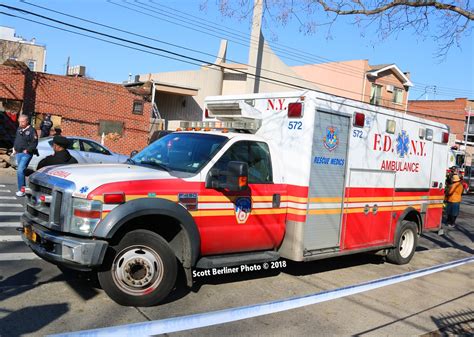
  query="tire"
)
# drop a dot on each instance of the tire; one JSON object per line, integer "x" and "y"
{"x": 406, "y": 240}
{"x": 140, "y": 270}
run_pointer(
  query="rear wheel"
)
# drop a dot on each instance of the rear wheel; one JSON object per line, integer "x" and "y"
{"x": 406, "y": 241}
{"x": 140, "y": 270}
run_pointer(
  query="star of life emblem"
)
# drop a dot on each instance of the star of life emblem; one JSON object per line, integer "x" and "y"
{"x": 403, "y": 142}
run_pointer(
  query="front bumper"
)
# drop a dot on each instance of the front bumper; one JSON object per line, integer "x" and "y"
{"x": 73, "y": 252}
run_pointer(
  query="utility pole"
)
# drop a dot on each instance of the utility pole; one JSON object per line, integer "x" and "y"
{"x": 256, "y": 49}
{"x": 67, "y": 66}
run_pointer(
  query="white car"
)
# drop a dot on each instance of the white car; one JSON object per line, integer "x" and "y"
{"x": 83, "y": 149}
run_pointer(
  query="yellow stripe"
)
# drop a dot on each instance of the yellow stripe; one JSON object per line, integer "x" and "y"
{"x": 296, "y": 211}
{"x": 294, "y": 199}
{"x": 325, "y": 211}
{"x": 325, "y": 199}
{"x": 361, "y": 209}
{"x": 232, "y": 212}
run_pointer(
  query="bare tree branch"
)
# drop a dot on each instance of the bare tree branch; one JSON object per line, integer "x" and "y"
{"x": 446, "y": 22}
{"x": 397, "y": 3}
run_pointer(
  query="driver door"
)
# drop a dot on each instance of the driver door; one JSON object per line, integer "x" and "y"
{"x": 246, "y": 220}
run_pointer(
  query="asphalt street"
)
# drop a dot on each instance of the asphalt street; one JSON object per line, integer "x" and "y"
{"x": 37, "y": 299}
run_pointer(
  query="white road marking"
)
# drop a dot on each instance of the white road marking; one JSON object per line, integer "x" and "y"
{"x": 11, "y": 205}
{"x": 10, "y": 224}
{"x": 18, "y": 256}
{"x": 10, "y": 238}
{"x": 11, "y": 213}
{"x": 2, "y": 185}
{"x": 5, "y": 191}
{"x": 2, "y": 197}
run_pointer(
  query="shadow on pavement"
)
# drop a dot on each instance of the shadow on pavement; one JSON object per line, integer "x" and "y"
{"x": 405, "y": 318}
{"x": 9, "y": 287}
{"x": 31, "y": 319}
{"x": 459, "y": 323}
{"x": 83, "y": 284}
{"x": 291, "y": 268}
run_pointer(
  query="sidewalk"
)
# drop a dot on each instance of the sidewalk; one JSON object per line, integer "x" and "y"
{"x": 7, "y": 175}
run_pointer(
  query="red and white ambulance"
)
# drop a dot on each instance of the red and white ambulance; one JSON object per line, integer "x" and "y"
{"x": 300, "y": 176}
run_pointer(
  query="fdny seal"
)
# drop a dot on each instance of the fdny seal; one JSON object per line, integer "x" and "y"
{"x": 243, "y": 206}
{"x": 331, "y": 140}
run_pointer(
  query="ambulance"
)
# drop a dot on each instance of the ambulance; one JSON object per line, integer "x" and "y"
{"x": 262, "y": 179}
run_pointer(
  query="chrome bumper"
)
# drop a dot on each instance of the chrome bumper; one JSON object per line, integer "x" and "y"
{"x": 73, "y": 252}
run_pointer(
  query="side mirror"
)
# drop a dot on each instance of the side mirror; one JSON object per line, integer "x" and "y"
{"x": 234, "y": 179}
{"x": 134, "y": 152}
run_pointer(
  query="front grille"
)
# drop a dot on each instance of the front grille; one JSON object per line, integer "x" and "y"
{"x": 56, "y": 213}
{"x": 58, "y": 200}
{"x": 41, "y": 189}
{"x": 37, "y": 214}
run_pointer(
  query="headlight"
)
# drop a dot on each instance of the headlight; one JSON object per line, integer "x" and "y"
{"x": 86, "y": 214}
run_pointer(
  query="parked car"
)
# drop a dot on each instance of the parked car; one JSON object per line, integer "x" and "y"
{"x": 83, "y": 149}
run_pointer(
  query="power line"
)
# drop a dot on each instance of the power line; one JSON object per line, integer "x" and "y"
{"x": 270, "y": 80}
{"x": 304, "y": 54}
{"x": 440, "y": 92}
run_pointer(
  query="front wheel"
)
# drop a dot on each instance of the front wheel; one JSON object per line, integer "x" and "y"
{"x": 406, "y": 241}
{"x": 140, "y": 270}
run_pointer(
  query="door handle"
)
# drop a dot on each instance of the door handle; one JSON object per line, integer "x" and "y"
{"x": 276, "y": 200}
{"x": 375, "y": 209}
{"x": 366, "y": 209}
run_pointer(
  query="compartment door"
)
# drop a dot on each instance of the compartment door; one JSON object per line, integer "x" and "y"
{"x": 326, "y": 187}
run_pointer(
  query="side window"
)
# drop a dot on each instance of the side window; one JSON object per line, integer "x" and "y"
{"x": 93, "y": 147}
{"x": 74, "y": 144}
{"x": 260, "y": 164}
{"x": 255, "y": 154}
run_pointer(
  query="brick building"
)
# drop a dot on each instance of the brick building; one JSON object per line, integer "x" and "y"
{"x": 453, "y": 113}
{"x": 80, "y": 106}
{"x": 450, "y": 112}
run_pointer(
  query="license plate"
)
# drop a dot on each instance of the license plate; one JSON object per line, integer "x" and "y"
{"x": 30, "y": 234}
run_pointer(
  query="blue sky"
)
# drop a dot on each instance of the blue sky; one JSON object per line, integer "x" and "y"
{"x": 187, "y": 24}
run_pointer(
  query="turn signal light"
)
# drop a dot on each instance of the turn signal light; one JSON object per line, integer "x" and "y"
{"x": 86, "y": 214}
{"x": 243, "y": 181}
{"x": 114, "y": 198}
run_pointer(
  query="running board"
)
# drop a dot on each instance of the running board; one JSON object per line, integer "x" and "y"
{"x": 229, "y": 260}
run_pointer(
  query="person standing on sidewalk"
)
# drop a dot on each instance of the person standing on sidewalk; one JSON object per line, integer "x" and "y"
{"x": 454, "y": 197}
{"x": 24, "y": 147}
{"x": 46, "y": 126}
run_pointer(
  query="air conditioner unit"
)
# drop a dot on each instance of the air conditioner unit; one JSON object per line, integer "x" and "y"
{"x": 76, "y": 71}
{"x": 390, "y": 88}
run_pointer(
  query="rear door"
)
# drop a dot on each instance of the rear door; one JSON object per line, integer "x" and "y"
{"x": 327, "y": 178}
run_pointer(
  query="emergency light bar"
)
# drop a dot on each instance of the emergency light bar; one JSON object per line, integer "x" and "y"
{"x": 233, "y": 110}
{"x": 219, "y": 125}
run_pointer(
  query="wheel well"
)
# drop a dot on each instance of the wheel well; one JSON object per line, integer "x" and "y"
{"x": 167, "y": 227}
{"x": 415, "y": 217}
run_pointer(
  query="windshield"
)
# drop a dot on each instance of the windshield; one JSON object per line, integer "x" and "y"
{"x": 179, "y": 151}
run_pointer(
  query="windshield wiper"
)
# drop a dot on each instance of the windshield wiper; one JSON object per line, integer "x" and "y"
{"x": 152, "y": 163}
{"x": 131, "y": 161}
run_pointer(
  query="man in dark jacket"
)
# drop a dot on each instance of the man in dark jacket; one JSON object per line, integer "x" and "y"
{"x": 46, "y": 126}
{"x": 24, "y": 147}
{"x": 61, "y": 155}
